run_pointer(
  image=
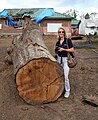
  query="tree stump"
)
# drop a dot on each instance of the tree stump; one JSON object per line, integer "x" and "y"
{"x": 39, "y": 77}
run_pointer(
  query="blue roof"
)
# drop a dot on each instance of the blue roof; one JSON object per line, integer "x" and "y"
{"x": 4, "y": 13}
{"x": 35, "y": 12}
{"x": 55, "y": 16}
{"x": 75, "y": 22}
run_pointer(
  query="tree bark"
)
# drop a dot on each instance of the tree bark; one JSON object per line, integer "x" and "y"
{"x": 39, "y": 77}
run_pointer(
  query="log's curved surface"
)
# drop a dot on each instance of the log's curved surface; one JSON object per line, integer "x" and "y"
{"x": 39, "y": 78}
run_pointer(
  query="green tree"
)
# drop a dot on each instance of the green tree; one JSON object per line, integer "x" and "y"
{"x": 73, "y": 13}
{"x": 87, "y": 16}
{"x": 93, "y": 14}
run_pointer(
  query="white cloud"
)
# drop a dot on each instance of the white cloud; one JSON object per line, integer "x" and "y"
{"x": 4, "y": 5}
{"x": 59, "y": 5}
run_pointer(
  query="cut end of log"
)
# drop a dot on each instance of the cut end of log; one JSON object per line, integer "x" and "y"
{"x": 39, "y": 78}
{"x": 40, "y": 81}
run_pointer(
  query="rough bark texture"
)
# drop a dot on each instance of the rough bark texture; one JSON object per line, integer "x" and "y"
{"x": 39, "y": 78}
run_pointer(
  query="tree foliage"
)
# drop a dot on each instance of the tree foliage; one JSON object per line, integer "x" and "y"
{"x": 93, "y": 14}
{"x": 87, "y": 16}
{"x": 73, "y": 13}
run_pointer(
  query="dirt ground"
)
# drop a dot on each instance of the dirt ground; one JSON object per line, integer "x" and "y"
{"x": 83, "y": 80}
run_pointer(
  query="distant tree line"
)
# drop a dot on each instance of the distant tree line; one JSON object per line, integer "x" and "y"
{"x": 75, "y": 13}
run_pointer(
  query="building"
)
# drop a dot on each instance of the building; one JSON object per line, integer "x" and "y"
{"x": 88, "y": 26}
{"x": 48, "y": 25}
{"x": 75, "y": 26}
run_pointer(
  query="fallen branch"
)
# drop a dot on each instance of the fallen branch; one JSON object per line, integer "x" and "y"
{"x": 90, "y": 100}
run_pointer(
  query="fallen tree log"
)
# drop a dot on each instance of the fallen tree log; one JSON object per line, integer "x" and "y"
{"x": 90, "y": 100}
{"x": 39, "y": 77}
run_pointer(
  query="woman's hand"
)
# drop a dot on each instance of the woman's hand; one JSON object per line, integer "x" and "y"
{"x": 61, "y": 49}
{"x": 68, "y": 50}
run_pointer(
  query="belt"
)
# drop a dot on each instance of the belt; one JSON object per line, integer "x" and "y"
{"x": 61, "y": 60}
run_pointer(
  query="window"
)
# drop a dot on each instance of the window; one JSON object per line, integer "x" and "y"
{"x": 53, "y": 27}
{"x": 5, "y": 22}
{"x": 0, "y": 26}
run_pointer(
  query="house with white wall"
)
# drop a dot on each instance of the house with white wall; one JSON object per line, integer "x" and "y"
{"x": 88, "y": 26}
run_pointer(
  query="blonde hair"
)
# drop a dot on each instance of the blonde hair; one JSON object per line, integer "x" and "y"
{"x": 63, "y": 30}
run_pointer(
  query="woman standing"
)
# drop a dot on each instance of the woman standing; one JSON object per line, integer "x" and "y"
{"x": 62, "y": 50}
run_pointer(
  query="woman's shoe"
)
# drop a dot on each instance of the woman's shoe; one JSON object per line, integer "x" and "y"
{"x": 66, "y": 95}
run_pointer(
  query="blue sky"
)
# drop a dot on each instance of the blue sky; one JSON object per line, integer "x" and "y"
{"x": 83, "y": 6}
